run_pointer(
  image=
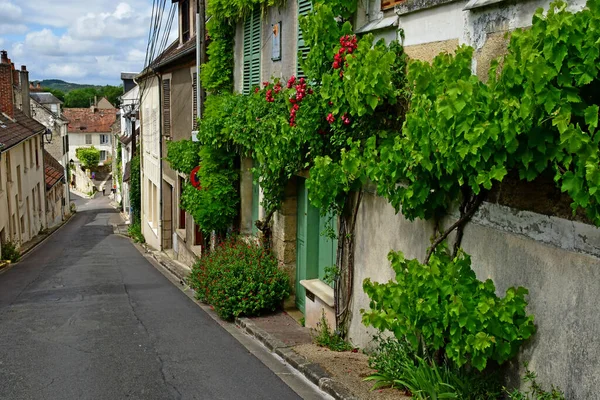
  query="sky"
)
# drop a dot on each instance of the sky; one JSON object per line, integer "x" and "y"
{"x": 79, "y": 41}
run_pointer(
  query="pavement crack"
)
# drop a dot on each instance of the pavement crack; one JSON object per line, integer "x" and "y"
{"x": 177, "y": 394}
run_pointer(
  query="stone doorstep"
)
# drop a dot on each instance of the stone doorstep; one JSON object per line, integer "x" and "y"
{"x": 312, "y": 371}
{"x": 180, "y": 270}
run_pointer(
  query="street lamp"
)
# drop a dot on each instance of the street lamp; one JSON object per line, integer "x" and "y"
{"x": 48, "y": 135}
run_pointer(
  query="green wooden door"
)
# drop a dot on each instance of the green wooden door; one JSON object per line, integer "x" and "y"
{"x": 307, "y": 243}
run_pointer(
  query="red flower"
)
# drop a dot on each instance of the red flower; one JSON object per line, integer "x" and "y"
{"x": 256, "y": 89}
{"x": 266, "y": 83}
{"x": 291, "y": 82}
{"x": 330, "y": 118}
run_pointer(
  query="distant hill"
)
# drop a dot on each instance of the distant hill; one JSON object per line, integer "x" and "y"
{"x": 63, "y": 86}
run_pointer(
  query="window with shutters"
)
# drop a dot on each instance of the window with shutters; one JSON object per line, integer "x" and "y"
{"x": 304, "y": 7}
{"x": 194, "y": 101}
{"x": 185, "y": 20}
{"x": 252, "y": 51}
{"x": 387, "y": 4}
{"x": 167, "y": 107}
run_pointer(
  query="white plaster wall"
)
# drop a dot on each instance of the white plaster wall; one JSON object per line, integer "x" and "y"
{"x": 77, "y": 140}
{"x": 150, "y": 162}
{"x": 449, "y": 21}
{"x": 436, "y": 24}
{"x": 556, "y": 259}
{"x": 4, "y": 216}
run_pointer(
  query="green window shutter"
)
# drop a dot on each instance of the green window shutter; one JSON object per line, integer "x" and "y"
{"x": 304, "y": 7}
{"x": 252, "y": 49}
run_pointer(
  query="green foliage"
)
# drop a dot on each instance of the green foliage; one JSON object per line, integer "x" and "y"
{"x": 240, "y": 279}
{"x": 88, "y": 156}
{"x": 535, "y": 391}
{"x": 59, "y": 94}
{"x": 10, "y": 251}
{"x": 135, "y": 190}
{"x": 183, "y": 155}
{"x": 325, "y": 337}
{"x": 215, "y": 78}
{"x": 398, "y": 365}
{"x": 81, "y": 98}
{"x": 444, "y": 307}
{"x": 135, "y": 232}
{"x": 214, "y": 204}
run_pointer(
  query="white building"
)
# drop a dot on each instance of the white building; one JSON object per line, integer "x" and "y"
{"x": 90, "y": 127}
{"x": 150, "y": 163}
{"x": 130, "y": 126}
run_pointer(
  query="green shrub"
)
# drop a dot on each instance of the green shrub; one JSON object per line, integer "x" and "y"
{"x": 445, "y": 308}
{"x": 240, "y": 278}
{"x": 332, "y": 340}
{"x": 135, "y": 232}
{"x": 89, "y": 157}
{"x": 10, "y": 251}
{"x": 399, "y": 366}
{"x": 535, "y": 392}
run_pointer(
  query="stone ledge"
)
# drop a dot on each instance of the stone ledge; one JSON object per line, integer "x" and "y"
{"x": 312, "y": 371}
{"x": 320, "y": 289}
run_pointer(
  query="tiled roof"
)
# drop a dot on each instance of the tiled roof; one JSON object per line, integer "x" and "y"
{"x": 171, "y": 54}
{"x": 14, "y": 131}
{"x": 54, "y": 171}
{"x": 45, "y": 98}
{"x": 86, "y": 120}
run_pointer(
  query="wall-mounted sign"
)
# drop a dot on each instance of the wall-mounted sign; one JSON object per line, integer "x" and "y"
{"x": 276, "y": 54}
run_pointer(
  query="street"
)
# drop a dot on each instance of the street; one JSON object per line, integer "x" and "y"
{"x": 86, "y": 316}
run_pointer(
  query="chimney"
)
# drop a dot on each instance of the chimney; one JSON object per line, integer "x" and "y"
{"x": 6, "y": 89}
{"x": 31, "y": 87}
{"x": 26, "y": 102}
{"x": 39, "y": 86}
{"x": 15, "y": 73}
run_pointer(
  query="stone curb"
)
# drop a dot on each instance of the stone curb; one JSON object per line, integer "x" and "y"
{"x": 312, "y": 371}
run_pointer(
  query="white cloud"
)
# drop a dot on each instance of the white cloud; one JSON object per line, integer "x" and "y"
{"x": 12, "y": 29}
{"x": 123, "y": 23}
{"x": 78, "y": 41}
{"x": 66, "y": 71}
{"x": 10, "y": 12}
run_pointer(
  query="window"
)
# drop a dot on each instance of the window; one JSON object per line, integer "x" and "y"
{"x": 33, "y": 198}
{"x": 104, "y": 139}
{"x": 194, "y": 101}
{"x": 181, "y": 224}
{"x": 387, "y": 4}
{"x": 31, "y": 151}
{"x": 25, "y": 155}
{"x": 37, "y": 154}
{"x": 20, "y": 193}
{"x": 185, "y": 20}
{"x": 251, "y": 51}
{"x": 102, "y": 155}
{"x": 65, "y": 144}
{"x": 39, "y": 201}
{"x": 8, "y": 168}
{"x": 88, "y": 139}
{"x": 167, "y": 107}
{"x": 304, "y": 7}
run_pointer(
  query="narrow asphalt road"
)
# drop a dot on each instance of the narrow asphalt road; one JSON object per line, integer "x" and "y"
{"x": 86, "y": 316}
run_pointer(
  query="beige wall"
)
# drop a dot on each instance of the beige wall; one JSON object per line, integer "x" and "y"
{"x": 29, "y": 206}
